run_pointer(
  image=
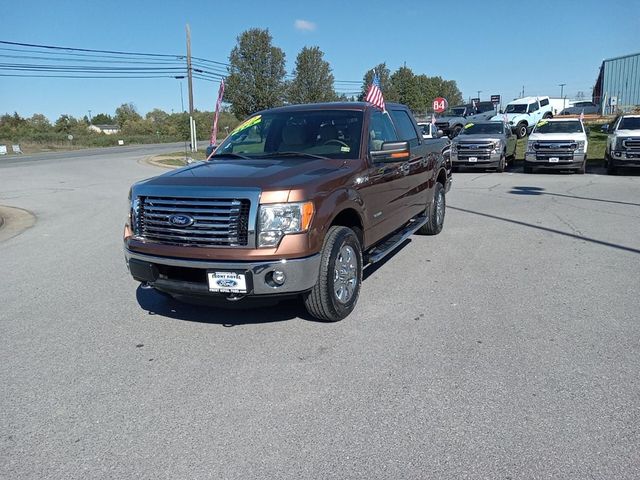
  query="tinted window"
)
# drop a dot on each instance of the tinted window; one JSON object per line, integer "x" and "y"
{"x": 380, "y": 130}
{"x": 544, "y": 101}
{"x": 405, "y": 127}
{"x": 329, "y": 133}
{"x": 533, "y": 107}
{"x": 478, "y": 128}
{"x": 629, "y": 123}
{"x": 572, "y": 126}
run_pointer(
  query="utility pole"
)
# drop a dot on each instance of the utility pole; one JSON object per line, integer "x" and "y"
{"x": 192, "y": 129}
{"x": 479, "y": 92}
{"x": 561, "y": 85}
{"x": 90, "y": 117}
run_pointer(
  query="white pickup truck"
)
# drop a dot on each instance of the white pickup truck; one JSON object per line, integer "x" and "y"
{"x": 623, "y": 143}
{"x": 522, "y": 114}
{"x": 558, "y": 143}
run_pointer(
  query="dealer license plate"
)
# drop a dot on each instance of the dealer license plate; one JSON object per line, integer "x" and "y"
{"x": 554, "y": 159}
{"x": 227, "y": 282}
{"x": 473, "y": 159}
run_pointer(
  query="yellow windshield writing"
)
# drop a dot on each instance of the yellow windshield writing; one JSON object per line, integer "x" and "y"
{"x": 542, "y": 122}
{"x": 247, "y": 123}
{"x": 468, "y": 125}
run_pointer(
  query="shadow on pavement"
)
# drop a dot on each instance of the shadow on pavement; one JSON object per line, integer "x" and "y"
{"x": 526, "y": 190}
{"x": 158, "y": 303}
{"x": 551, "y": 230}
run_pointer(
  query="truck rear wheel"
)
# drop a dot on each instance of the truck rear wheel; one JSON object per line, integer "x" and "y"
{"x": 435, "y": 212}
{"x": 521, "y": 130}
{"x": 336, "y": 292}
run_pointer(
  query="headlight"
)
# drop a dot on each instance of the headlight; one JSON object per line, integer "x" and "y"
{"x": 618, "y": 143}
{"x": 277, "y": 219}
{"x": 454, "y": 148}
{"x": 496, "y": 145}
{"x": 530, "y": 146}
{"x": 580, "y": 144}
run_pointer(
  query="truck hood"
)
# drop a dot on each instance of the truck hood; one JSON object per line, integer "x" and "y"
{"x": 266, "y": 174}
{"x": 558, "y": 136}
{"x": 479, "y": 137}
{"x": 511, "y": 117}
{"x": 451, "y": 120}
{"x": 627, "y": 133}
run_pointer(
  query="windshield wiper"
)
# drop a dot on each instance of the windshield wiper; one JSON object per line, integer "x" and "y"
{"x": 291, "y": 154}
{"x": 229, "y": 155}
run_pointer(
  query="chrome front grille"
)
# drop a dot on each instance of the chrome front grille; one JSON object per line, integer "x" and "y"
{"x": 480, "y": 150}
{"x": 204, "y": 222}
{"x": 631, "y": 143}
{"x": 560, "y": 149}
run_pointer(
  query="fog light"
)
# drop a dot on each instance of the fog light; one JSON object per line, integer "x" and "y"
{"x": 617, "y": 154}
{"x": 278, "y": 277}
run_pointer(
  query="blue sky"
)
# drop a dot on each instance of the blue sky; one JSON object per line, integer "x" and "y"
{"x": 493, "y": 46}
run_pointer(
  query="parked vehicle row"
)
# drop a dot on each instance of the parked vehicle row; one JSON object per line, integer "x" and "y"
{"x": 295, "y": 202}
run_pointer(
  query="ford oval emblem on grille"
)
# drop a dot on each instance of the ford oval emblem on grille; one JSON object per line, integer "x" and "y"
{"x": 181, "y": 220}
{"x": 226, "y": 283}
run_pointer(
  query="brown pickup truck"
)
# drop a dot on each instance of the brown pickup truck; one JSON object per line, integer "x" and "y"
{"x": 295, "y": 202}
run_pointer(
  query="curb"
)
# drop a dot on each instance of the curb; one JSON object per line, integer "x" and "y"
{"x": 14, "y": 221}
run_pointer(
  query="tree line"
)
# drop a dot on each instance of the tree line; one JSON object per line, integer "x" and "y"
{"x": 256, "y": 80}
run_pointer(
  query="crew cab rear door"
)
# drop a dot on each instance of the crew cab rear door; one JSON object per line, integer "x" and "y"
{"x": 418, "y": 170}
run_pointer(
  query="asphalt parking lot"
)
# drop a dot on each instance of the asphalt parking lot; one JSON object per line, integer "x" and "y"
{"x": 507, "y": 347}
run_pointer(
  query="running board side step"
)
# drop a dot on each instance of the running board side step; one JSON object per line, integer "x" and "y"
{"x": 390, "y": 244}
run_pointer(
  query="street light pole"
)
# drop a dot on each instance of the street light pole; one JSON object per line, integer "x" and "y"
{"x": 561, "y": 85}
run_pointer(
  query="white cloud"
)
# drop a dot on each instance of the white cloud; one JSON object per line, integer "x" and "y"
{"x": 304, "y": 25}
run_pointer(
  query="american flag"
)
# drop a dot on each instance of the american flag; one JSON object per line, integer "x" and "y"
{"x": 433, "y": 119}
{"x": 214, "y": 128}
{"x": 374, "y": 94}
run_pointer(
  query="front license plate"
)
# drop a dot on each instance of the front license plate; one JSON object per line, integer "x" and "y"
{"x": 227, "y": 282}
{"x": 473, "y": 159}
{"x": 554, "y": 159}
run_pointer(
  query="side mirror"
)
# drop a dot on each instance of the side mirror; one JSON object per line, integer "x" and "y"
{"x": 391, "y": 152}
{"x": 439, "y": 133}
{"x": 605, "y": 127}
{"x": 501, "y": 111}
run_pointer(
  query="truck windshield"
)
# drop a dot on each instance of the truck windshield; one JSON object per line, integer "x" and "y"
{"x": 455, "y": 112}
{"x": 479, "y": 128}
{"x": 484, "y": 107}
{"x": 516, "y": 108}
{"x": 325, "y": 133}
{"x": 629, "y": 123}
{"x": 559, "y": 127}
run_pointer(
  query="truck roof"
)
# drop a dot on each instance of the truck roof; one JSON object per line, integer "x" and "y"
{"x": 527, "y": 99}
{"x": 330, "y": 105}
{"x": 556, "y": 119}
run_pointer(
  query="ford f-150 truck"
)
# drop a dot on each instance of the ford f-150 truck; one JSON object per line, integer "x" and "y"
{"x": 558, "y": 143}
{"x": 295, "y": 202}
{"x": 484, "y": 145}
{"x": 623, "y": 143}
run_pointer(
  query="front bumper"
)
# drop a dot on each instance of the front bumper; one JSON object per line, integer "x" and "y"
{"x": 564, "y": 162}
{"x": 178, "y": 276}
{"x": 625, "y": 158}
{"x": 482, "y": 160}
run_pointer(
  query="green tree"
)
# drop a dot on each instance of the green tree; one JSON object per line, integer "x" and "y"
{"x": 65, "y": 123}
{"x": 312, "y": 78}
{"x": 384, "y": 74}
{"x": 126, "y": 113}
{"x": 39, "y": 123}
{"x": 256, "y": 73}
{"x": 102, "y": 119}
{"x": 407, "y": 87}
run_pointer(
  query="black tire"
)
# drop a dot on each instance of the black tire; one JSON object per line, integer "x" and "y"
{"x": 456, "y": 131}
{"x": 435, "y": 212}
{"x": 527, "y": 169}
{"x": 583, "y": 168}
{"x": 548, "y": 115}
{"x": 521, "y": 130}
{"x": 323, "y": 301}
{"x": 502, "y": 164}
{"x": 611, "y": 170}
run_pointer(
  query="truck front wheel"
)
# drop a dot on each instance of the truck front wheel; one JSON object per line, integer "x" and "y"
{"x": 521, "y": 130}
{"x": 336, "y": 292}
